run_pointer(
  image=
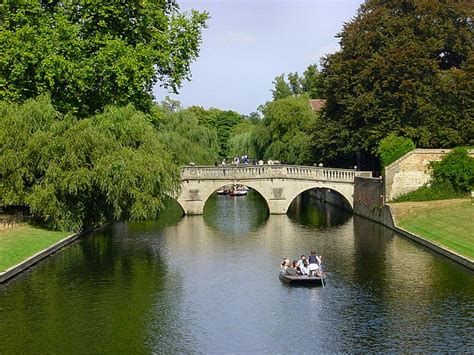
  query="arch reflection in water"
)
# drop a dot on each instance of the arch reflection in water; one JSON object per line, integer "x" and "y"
{"x": 236, "y": 215}
{"x": 307, "y": 211}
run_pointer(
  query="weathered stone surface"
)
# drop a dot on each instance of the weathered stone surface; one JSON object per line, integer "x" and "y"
{"x": 278, "y": 184}
{"x": 411, "y": 171}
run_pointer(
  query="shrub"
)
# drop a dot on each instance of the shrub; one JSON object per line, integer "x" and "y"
{"x": 393, "y": 147}
{"x": 457, "y": 168}
{"x": 430, "y": 193}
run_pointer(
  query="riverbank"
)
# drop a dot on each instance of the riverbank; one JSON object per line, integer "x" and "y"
{"x": 447, "y": 223}
{"x": 22, "y": 241}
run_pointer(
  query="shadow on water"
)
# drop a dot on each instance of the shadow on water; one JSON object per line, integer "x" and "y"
{"x": 236, "y": 215}
{"x": 309, "y": 212}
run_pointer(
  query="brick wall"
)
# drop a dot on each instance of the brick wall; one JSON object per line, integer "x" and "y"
{"x": 369, "y": 200}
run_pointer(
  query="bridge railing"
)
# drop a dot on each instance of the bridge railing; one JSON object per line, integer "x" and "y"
{"x": 270, "y": 172}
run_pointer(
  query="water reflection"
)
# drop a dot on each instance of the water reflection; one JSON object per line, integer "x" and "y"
{"x": 236, "y": 215}
{"x": 310, "y": 212}
{"x": 204, "y": 285}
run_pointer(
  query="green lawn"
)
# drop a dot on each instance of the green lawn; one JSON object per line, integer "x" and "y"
{"x": 448, "y": 222}
{"x": 20, "y": 242}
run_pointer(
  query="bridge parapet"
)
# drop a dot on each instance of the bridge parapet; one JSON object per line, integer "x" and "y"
{"x": 240, "y": 172}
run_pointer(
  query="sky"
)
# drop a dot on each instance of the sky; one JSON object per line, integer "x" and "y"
{"x": 249, "y": 42}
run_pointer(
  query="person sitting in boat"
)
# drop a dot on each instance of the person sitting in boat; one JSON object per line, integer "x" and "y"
{"x": 303, "y": 265}
{"x": 314, "y": 266}
{"x": 292, "y": 270}
{"x": 285, "y": 264}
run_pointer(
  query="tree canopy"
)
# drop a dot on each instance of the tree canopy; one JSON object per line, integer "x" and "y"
{"x": 73, "y": 173}
{"x": 186, "y": 138}
{"x": 283, "y": 134}
{"x": 405, "y": 67}
{"x": 295, "y": 84}
{"x": 91, "y": 54}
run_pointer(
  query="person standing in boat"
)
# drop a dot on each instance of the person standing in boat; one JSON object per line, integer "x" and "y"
{"x": 314, "y": 263}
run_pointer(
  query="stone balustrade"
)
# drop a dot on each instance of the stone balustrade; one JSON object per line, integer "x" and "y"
{"x": 245, "y": 172}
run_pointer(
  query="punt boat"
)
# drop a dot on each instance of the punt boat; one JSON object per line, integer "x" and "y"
{"x": 302, "y": 280}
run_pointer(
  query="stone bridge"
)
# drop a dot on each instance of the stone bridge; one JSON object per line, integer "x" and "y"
{"x": 279, "y": 185}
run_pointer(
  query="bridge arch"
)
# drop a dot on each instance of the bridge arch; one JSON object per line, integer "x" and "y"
{"x": 279, "y": 185}
{"x": 323, "y": 191}
{"x": 207, "y": 192}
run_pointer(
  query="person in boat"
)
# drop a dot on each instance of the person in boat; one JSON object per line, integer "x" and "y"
{"x": 314, "y": 266}
{"x": 303, "y": 265}
{"x": 293, "y": 269}
{"x": 285, "y": 264}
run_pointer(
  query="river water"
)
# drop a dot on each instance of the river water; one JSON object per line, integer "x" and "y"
{"x": 209, "y": 284}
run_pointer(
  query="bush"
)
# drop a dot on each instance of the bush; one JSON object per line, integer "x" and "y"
{"x": 393, "y": 147}
{"x": 431, "y": 193}
{"x": 457, "y": 169}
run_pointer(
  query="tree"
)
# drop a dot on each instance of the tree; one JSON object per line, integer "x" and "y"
{"x": 74, "y": 173}
{"x": 310, "y": 82}
{"x": 221, "y": 121}
{"x": 241, "y": 140}
{"x": 284, "y": 132}
{"x": 185, "y": 138}
{"x": 405, "y": 67}
{"x": 393, "y": 147}
{"x": 282, "y": 88}
{"x": 90, "y": 54}
{"x": 455, "y": 169}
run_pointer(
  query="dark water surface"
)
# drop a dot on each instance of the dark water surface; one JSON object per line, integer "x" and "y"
{"x": 209, "y": 284}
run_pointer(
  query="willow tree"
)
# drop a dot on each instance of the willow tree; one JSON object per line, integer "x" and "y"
{"x": 284, "y": 133}
{"x": 73, "y": 173}
{"x": 185, "y": 138}
{"x": 405, "y": 67}
{"x": 91, "y": 54}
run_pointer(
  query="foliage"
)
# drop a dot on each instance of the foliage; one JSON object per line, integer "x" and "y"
{"x": 75, "y": 173}
{"x": 455, "y": 169}
{"x": 241, "y": 141}
{"x": 90, "y": 54}
{"x": 297, "y": 85}
{"x": 405, "y": 67}
{"x": 186, "y": 139}
{"x": 393, "y": 147}
{"x": 431, "y": 193}
{"x": 282, "y": 88}
{"x": 283, "y": 134}
{"x": 221, "y": 121}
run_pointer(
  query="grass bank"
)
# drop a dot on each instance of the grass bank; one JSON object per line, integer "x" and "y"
{"x": 24, "y": 240}
{"x": 449, "y": 223}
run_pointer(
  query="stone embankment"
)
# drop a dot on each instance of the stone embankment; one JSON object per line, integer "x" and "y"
{"x": 22, "y": 266}
{"x": 371, "y": 195}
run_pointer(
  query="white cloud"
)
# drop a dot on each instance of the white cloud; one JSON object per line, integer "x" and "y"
{"x": 241, "y": 38}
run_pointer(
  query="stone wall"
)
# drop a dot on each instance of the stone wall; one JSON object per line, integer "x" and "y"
{"x": 369, "y": 200}
{"x": 411, "y": 171}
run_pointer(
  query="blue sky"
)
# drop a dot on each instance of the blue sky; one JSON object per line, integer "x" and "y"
{"x": 249, "y": 42}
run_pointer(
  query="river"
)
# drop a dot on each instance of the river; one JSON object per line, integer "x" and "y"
{"x": 209, "y": 284}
